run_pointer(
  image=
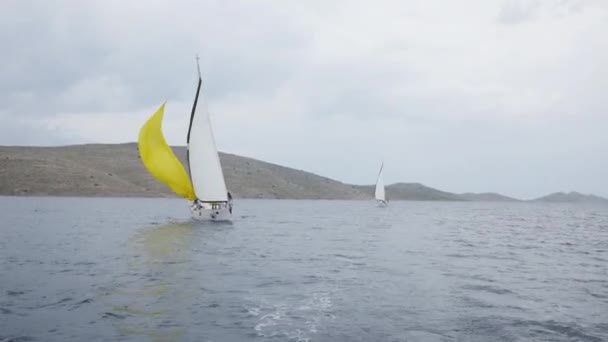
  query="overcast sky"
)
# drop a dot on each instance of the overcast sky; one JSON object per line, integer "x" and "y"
{"x": 507, "y": 96}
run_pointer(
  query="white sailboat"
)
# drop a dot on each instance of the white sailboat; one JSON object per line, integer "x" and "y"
{"x": 380, "y": 193}
{"x": 213, "y": 200}
{"x": 205, "y": 185}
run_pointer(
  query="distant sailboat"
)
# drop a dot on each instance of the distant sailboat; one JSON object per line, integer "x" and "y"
{"x": 380, "y": 194}
{"x": 205, "y": 187}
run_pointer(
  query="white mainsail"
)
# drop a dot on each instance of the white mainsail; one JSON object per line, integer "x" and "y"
{"x": 380, "y": 196}
{"x": 203, "y": 159}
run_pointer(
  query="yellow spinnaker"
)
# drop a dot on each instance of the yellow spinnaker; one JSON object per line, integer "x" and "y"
{"x": 160, "y": 160}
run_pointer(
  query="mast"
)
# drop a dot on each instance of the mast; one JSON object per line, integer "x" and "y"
{"x": 380, "y": 193}
{"x": 379, "y": 172}
{"x": 198, "y": 90}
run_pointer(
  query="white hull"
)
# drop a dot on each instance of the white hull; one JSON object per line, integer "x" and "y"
{"x": 211, "y": 212}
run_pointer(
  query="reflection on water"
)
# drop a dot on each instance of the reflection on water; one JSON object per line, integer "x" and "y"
{"x": 166, "y": 243}
{"x": 152, "y": 303}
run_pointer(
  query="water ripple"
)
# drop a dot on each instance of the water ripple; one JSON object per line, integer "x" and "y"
{"x": 141, "y": 269}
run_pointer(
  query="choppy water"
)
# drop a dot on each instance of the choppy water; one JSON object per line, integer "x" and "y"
{"x": 139, "y": 270}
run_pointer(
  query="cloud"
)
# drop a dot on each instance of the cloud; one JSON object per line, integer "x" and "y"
{"x": 25, "y": 131}
{"x": 518, "y": 11}
{"x": 456, "y": 95}
{"x": 514, "y": 12}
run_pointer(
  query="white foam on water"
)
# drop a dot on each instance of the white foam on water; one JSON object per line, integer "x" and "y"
{"x": 295, "y": 321}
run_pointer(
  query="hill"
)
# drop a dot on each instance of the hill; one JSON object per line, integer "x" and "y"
{"x": 487, "y": 197}
{"x": 411, "y": 191}
{"x": 571, "y": 197}
{"x": 116, "y": 170}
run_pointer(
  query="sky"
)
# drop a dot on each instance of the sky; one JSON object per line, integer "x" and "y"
{"x": 505, "y": 96}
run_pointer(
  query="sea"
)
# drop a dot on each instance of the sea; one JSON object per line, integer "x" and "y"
{"x": 125, "y": 269}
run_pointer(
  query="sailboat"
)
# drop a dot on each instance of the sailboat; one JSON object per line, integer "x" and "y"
{"x": 204, "y": 185}
{"x": 380, "y": 193}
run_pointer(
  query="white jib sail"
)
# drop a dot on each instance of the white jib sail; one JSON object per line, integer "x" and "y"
{"x": 205, "y": 168}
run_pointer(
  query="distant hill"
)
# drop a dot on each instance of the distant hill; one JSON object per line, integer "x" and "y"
{"x": 487, "y": 197}
{"x": 251, "y": 178}
{"x": 116, "y": 170}
{"x": 571, "y": 197}
{"x": 411, "y": 191}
